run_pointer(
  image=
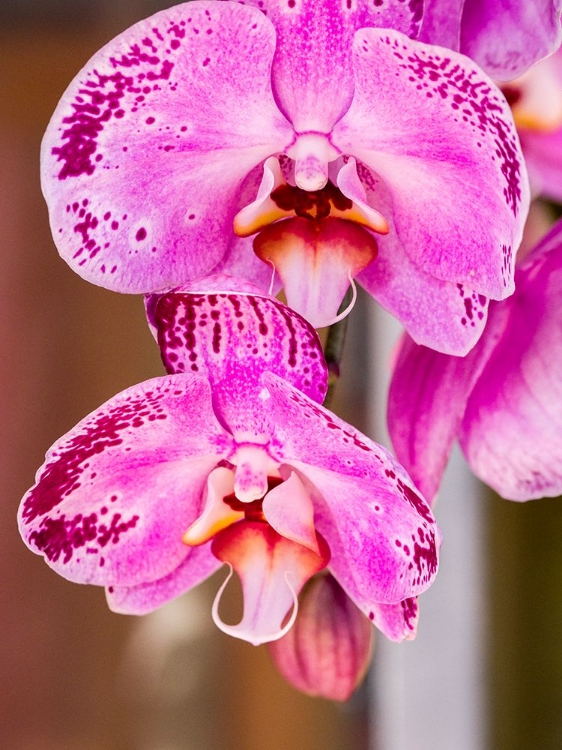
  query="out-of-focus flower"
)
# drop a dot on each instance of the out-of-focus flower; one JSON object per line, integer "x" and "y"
{"x": 505, "y": 37}
{"x": 503, "y": 401}
{"x": 327, "y": 650}
{"x": 536, "y": 102}
{"x": 232, "y": 460}
{"x": 307, "y": 123}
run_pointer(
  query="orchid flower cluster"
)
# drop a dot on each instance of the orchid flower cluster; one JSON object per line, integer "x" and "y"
{"x": 218, "y": 152}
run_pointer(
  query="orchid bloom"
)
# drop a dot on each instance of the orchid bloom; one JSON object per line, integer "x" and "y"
{"x": 312, "y": 138}
{"x": 536, "y": 102}
{"x": 503, "y": 401}
{"x": 232, "y": 459}
{"x": 505, "y": 37}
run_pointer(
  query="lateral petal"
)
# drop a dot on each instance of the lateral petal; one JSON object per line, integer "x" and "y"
{"x": 197, "y": 566}
{"x": 436, "y": 130}
{"x": 149, "y": 145}
{"x": 116, "y": 493}
{"x": 382, "y": 535}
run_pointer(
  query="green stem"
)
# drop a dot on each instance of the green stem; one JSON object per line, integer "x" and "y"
{"x": 333, "y": 349}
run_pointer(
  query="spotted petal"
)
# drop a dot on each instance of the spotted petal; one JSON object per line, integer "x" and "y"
{"x": 441, "y": 137}
{"x": 147, "y": 149}
{"x": 232, "y": 338}
{"x": 116, "y": 493}
{"x": 381, "y": 533}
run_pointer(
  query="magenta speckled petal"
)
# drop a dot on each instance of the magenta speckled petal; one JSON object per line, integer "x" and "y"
{"x": 506, "y": 37}
{"x": 399, "y": 622}
{"x": 198, "y": 565}
{"x": 147, "y": 149}
{"x": 381, "y": 533}
{"x": 426, "y": 403}
{"x": 443, "y": 315}
{"x": 126, "y": 478}
{"x": 312, "y": 73}
{"x": 441, "y": 136}
{"x": 232, "y": 339}
{"x": 513, "y": 421}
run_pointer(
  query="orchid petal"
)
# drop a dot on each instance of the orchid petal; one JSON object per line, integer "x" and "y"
{"x": 442, "y": 23}
{"x": 232, "y": 339}
{"x": 398, "y": 622}
{"x": 312, "y": 76}
{"x": 327, "y": 651}
{"x": 427, "y": 400}
{"x": 381, "y": 533}
{"x": 543, "y": 153}
{"x": 436, "y": 130}
{"x": 316, "y": 261}
{"x": 148, "y": 147}
{"x": 272, "y": 570}
{"x": 116, "y": 493}
{"x": 444, "y": 316}
{"x": 289, "y": 510}
{"x": 506, "y": 37}
{"x": 199, "y": 564}
{"x": 513, "y": 420}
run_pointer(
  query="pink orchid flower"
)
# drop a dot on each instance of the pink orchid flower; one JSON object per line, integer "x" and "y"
{"x": 503, "y": 401}
{"x": 536, "y": 102}
{"x": 347, "y": 149}
{"x": 505, "y": 37}
{"x": 231, "y": 459}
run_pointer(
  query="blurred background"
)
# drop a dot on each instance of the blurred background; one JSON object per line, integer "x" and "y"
{"x": 486, "y": 670}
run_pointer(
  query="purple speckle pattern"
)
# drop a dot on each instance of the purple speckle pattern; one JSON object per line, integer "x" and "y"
{"x": 236, "y": 337}
{"x": 96, "y": 498}
{"x": 474, "y": 101}
{"x": 475, "y": 306}
{"x": 154, "y": 120}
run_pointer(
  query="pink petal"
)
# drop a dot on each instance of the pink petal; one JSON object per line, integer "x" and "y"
{"x": 312, "y": 75}
{"x": 198, "y": 565}
{"x": 272, "y": 570}
{"x": 445, "y": 316}
{"x": 398, "y": 622}
{"x": 506, "y": 37}
{"x": 316, "y": 260}
{"x": 441, "y": 136}
{"x": 426, "y": 403}
{"x": 543, "y": 154}
{"x": 442, "y": 23}
{"x": 147, "y": 149}
{"x": 382, "y": 535}
{"x": 327, "y": 651}
{"x": 232, "y": 339}
{"x": 513, "y": 421}
{"x": 116, "y": 493}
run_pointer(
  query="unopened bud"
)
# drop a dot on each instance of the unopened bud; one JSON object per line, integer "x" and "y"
{"x": 327, "y": 650}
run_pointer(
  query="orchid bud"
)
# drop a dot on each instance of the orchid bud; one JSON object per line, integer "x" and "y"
{"x": 328, "y": 649}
